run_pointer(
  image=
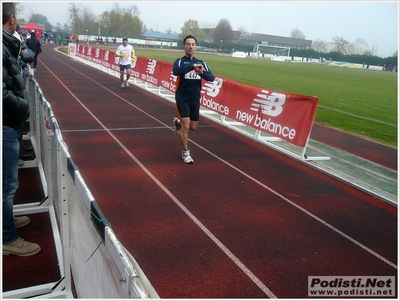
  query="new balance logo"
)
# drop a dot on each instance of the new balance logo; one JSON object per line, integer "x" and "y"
{"x": 212, "y": 88}
{"x": 269, "y": 104}
{"x": 106, "y": 54}
{"x": 151, "y": 66}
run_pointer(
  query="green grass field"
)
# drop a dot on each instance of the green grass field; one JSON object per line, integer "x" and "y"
{"x": 358, "y": 101}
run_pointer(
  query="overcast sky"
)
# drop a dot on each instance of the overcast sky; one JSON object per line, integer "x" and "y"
{"x": 376, "y": 22}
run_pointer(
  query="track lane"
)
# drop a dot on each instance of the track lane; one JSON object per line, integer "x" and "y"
{"x": 237, "y": 210}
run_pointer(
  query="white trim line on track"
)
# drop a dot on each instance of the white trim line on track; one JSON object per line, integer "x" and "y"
{"x": 243, "y": 267}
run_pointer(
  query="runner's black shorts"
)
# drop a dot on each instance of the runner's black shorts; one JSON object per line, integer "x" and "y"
{"x": 189, "y": 108}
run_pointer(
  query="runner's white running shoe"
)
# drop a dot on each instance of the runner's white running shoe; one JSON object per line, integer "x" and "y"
{"x": 186, "y": 157}
{"x": 177, "y": 125}
{"x": 122, "y": 85}
{"x": 126, "y": 83}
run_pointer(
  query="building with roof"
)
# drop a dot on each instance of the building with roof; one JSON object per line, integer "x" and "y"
{"x": 265, "y": 39}
{"x": 150, "y": 35}
{"x": 247, "y": 38}
{"x": 271, "y": 40}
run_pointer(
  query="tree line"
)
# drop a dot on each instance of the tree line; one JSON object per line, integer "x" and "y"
{"x": 120, "y": 21}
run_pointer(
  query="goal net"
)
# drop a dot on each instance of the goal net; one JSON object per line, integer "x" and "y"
{"x": 261, "y": 50}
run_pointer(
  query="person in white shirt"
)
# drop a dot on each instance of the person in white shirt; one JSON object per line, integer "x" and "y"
{"x": 126, "y": 53}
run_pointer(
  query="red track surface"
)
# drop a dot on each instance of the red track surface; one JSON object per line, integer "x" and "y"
{"x": 241, "y": 222}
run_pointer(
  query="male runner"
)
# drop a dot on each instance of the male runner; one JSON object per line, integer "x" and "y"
{"x": 127, "y": 56}
{"x": 190, "y": 72}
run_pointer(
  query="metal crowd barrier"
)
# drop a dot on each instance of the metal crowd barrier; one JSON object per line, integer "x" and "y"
{"x": 86, "y": 245}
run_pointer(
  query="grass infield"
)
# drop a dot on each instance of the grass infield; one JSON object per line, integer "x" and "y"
{"x": 359, "y": 101}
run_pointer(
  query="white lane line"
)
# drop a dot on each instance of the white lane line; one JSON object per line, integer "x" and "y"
{"x": 302, "y": 209}
{"x": 236, "y": 260}
{"x": 204, "y": 229}
{"x": 357, "y": 116}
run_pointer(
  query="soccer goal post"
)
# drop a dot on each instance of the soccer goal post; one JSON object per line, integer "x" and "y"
{"x": 262, "y": 50}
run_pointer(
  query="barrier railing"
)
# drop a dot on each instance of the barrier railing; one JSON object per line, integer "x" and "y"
{"x": 86, "y": 246}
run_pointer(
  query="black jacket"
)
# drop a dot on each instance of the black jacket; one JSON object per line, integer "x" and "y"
{"x": 34, "y": 44}
{"x": 27, "y": 56}
{"x": 188, "y": 81}
{"x": 15, "y": 107}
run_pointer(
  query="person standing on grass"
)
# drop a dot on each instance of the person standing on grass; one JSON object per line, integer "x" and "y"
{"x": 190, "y": 72}
{"x": 126, "y": 53}
{"x": 15, "y": 112}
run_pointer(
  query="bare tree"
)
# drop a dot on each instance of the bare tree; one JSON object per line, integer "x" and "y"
{"x": 319, "y": 45}
{"x": 19, "y": 9}
{"x": 135, "y": 11}
{"x": 223, "y": 31}
{"x": 350, "y": 49}
{"x": 341, "y": 44}
{"x": 58, "y": 27}
{"x": 297, "y": 34}
{"x": 367, "y": 52}
{"x": 74, "y": 11}
{"x": 374, "y": 50}
{"x": 361, "y": 41}
{"x": 243, "y": 35}
{"x": 65, "y": 28}
{"x": 207, "y": 24}
{"x": 88, "y": 21}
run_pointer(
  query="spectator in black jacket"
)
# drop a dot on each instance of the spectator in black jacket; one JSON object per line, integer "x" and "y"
{"x": 15, "y": 112}
{"x": 26, "y": 56}
{"x": 34, "y": 44}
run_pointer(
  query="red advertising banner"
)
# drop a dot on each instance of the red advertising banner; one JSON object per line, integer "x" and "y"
{"x": 146, "y": 70}
{"x": 287, "y": 116}
{"x": 96, "y": 55}
{"x": 110, "y": 60}
{"x": 283, "y": 115}
{"x": 80, "y": 51}
{"x": 167, "y": 78}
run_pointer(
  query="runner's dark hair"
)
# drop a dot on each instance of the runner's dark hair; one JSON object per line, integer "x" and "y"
{"x": 189, "y": 37}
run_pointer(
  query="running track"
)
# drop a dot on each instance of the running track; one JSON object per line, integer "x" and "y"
{"x": 241, "y": 222}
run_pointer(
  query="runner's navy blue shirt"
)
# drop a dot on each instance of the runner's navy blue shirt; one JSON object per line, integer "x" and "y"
{"x": 188, "y": 83}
